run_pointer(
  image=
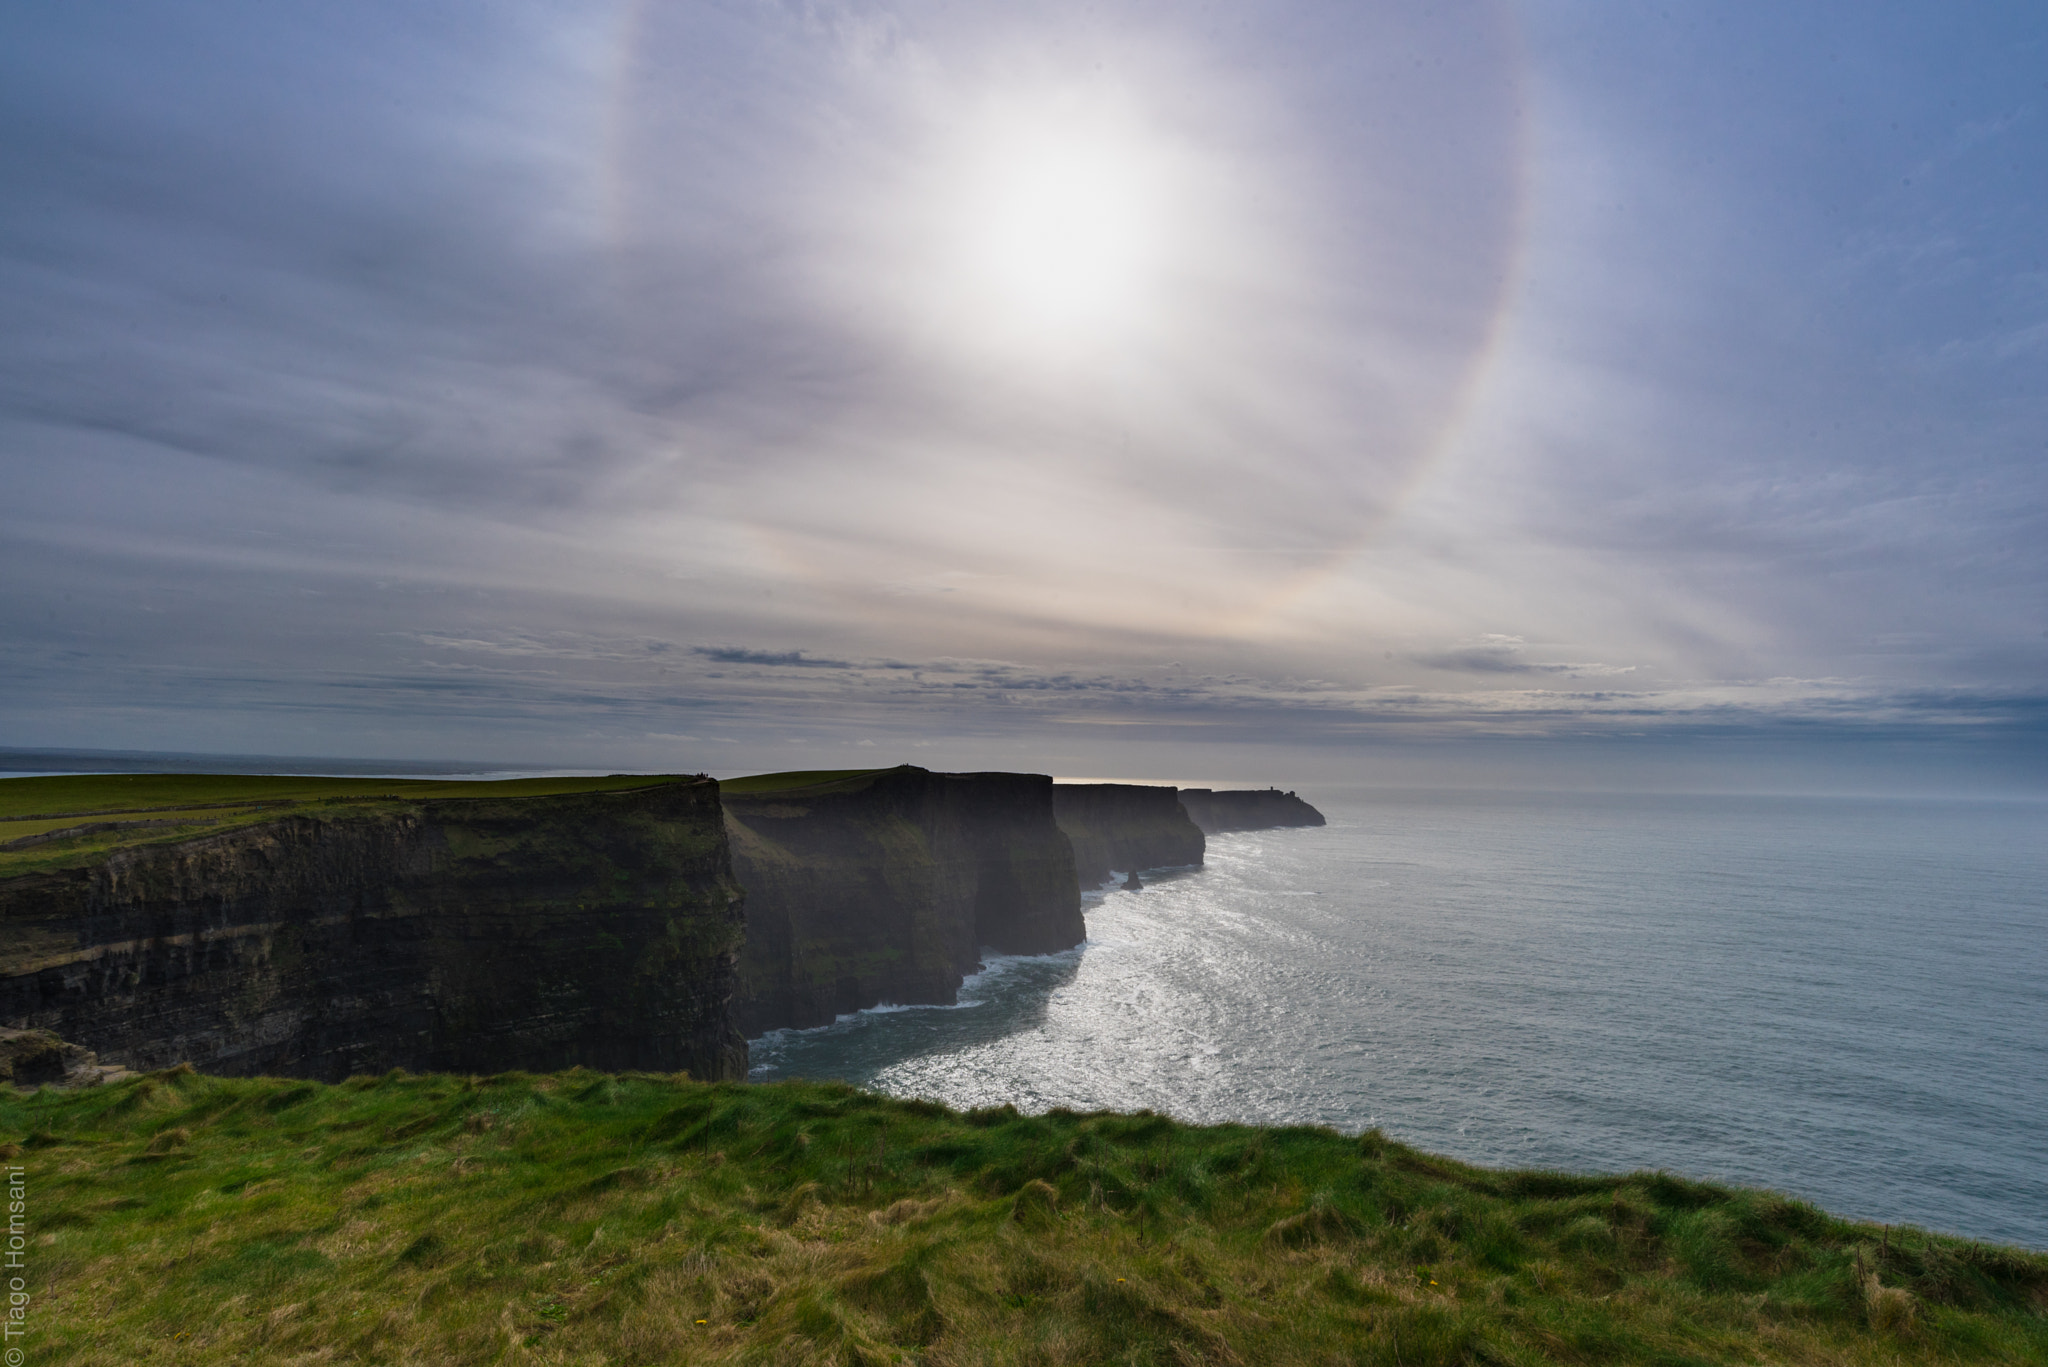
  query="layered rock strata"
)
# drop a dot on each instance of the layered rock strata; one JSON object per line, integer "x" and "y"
{"x": 885, "y": 887}
{"x": 1251, "y": 809}
{"x": 1124, "y": 827}
{"x": 462, "y": 934}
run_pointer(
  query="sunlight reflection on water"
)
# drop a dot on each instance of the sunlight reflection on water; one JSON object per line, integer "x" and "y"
{"x": 1840, "y": 999}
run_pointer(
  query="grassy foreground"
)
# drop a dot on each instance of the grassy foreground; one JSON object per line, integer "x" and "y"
{"x": 590, "y": 1218}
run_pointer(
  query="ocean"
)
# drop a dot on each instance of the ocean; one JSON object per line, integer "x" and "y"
{"x": 1843, "y": 999}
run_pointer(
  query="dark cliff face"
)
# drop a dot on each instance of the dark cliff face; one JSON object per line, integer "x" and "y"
{"x": 467, "y": 934}
{"x": 1251, "y": 809}
{"x": 1126, "y": 826}
{"x": 884, "y": 887}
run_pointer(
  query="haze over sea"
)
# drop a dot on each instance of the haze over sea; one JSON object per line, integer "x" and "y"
{"x": 1845, "y": 999}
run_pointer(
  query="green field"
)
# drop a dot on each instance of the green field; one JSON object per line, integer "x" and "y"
{"x": 113, "y": 811}
{"x": 584, "y": 1218}
{"x": 795, "y": 778}
{"x": 106, "y": 812}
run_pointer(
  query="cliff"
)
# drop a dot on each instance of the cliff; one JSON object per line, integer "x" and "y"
{"x": 364, "y": 933}
{"x": 37, "y": 1058}
{"x": 1257, "y": 809}
{"x": 885, "y": 886}
{"x": 1124, "y": 826}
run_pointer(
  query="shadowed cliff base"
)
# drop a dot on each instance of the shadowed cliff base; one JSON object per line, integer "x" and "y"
{"x": 885, "y": 886}
{"x": 323, "y": 927}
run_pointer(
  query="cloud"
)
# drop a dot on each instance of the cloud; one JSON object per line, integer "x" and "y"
{"x": 1478, "y": 660}
{"x": 1496, "y": 654}
{"x": 740, "y": 655}
{"x": 412, "y": 366}
{"x": 547, "y": 645}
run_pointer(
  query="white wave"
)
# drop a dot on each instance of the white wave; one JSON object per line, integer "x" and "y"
{"x": 993, "y": 968}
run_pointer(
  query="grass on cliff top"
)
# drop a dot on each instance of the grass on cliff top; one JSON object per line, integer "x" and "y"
{"x": 584, "y": 1218}
{"x": 79, "y": 794}
{"x": 117, "y": 810}
{"x": 795, "y": 778}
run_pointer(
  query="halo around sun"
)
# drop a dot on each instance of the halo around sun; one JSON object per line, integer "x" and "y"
{"x": 1108, "y": 330}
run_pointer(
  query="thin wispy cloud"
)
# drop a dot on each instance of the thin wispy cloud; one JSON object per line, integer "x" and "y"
{"x": 740, "y": 655}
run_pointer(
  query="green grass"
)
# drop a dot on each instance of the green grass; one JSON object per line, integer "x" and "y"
{"x": 121, "y": 810}
{"x": 584, "y": 1218}
{"x": 73, "y": 794}
{"x": 795, "y": 778}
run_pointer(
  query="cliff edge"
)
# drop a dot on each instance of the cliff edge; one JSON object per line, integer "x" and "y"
{"x": 1124, "y": 826}
{"x": 884, "y": 886}
{"x": 1250, "y": 809}
{"x": 363, "y": 933}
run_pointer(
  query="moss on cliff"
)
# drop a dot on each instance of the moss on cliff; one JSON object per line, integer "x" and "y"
{"x": 601, "y": 1219}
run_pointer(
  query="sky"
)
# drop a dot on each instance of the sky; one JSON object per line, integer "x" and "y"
{"x": 1523, "y": 392}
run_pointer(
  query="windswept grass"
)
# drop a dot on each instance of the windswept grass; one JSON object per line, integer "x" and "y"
{"x": 88, "y": 793}
{"x": 70, "y": 820}
{"x": 794, "y": 778}
{"x": 585, "y": 1218}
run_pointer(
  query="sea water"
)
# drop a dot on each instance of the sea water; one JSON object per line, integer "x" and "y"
{"x": 1844, "y": 999}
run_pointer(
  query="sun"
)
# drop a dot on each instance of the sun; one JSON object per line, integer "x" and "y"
{"x": 1062, "y": 221}
{"x": 1063, "y": 232}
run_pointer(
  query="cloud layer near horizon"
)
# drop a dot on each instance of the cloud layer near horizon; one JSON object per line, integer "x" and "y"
{"x": 614, "y": 384}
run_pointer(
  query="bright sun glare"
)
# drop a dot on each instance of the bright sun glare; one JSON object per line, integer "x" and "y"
{"x": 1063, "y": 226}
